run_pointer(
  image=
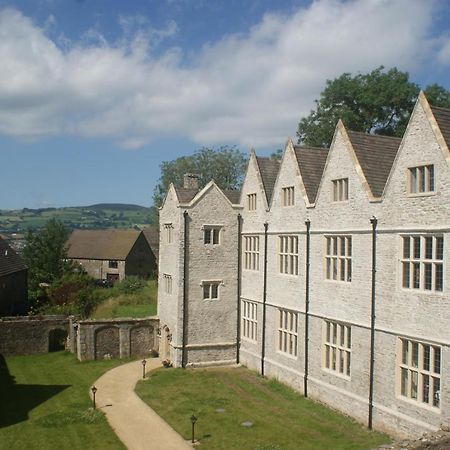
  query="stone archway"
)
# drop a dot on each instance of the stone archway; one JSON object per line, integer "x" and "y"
{"x": 141, "y": 340}
{"x": 164, "y": 343}
{"x": 107, "y": 344}
{"x": 57, "y": 340}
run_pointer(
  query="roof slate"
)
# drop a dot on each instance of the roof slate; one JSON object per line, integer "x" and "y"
{"x": 152, "y": 236}
{"x": 268, "y": 168}
{"x": 185, "y": 195}
{"x": 311, "y": 162}
{"x": 442, "y": 116}
{"x": 101, "y": 244}
{"x": 233, "y": 196}
{"x": 10, "y": 261}
{"x": 376, "y": 155}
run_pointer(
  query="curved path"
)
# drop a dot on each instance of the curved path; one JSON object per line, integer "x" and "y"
{"x": 134, "y": 422}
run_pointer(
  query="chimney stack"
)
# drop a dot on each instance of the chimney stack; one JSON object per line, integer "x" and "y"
{"x": 190, "y": 181}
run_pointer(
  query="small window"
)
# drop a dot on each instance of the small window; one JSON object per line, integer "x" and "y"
{"x": 288, "y": 255}
{"x": 288, "y": 196}
{"x": 338, "y": 258}
{"x": 167, "y": 283}
{"x": 210, "y": 290}
{"x": 287, "y": 332}
{"x": 421, "y": 179}
{"x": 340, "y": 190}
{"x": 112, "y": 264}
{"x": 211, "y": 234}
{"x": 337, "y": 347}
{"x": 249, "y": 320}
{"x": 251, "y": 202}
{"x": 251, "y": 253}
{"x": 168, "y": 232}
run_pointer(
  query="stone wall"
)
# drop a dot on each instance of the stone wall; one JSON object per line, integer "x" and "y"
{"x": 115, "y": 338}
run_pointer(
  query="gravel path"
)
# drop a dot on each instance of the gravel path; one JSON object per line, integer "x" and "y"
{"x": 134, "y": 422}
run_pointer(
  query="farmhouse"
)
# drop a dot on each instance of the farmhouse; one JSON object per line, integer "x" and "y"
{"x": 112, "y": 254}
{"x": 330, "y": 272}
{"x": 13, "y": 282}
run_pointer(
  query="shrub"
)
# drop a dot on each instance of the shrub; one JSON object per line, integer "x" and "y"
{"x": 131, "y": 285}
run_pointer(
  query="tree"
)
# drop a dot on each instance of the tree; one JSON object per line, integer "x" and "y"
{"x": 225, "y": 165}
{"x": 379, "y": 102}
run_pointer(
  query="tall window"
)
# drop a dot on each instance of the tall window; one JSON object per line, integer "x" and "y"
{"x": 210, "y": 290}
{"x": 337, "y": 347}
{"x": 421, "y": 179}
{"x": 251, "y": 252}
{"x": 288, "y": 255}
{"x": 211, "y": 234}
{"x": 249, "y": 320}
{"x": 113, "y": 264}
{"x": 167, "y": 283}
{"x": 168, "y": 232}
{"x": 420, "y": 372}
{"x": 340, "y": 190}
{"x": 422, "y": 262}
{"x": 338, "y": 258}
{"x": 251, "y": 202}
{"x": 288, "y": 196}
{"x": 287, "y": 332}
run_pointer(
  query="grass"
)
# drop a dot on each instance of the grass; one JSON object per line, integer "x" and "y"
{"x": 282, "y": 419}
{"x": 45, "y": 404}
{"x": 120, "y": 304}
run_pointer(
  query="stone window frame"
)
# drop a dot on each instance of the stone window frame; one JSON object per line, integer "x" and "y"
{"x": 418, "y": 381}
{"x": 249, "y": 320}
{"x": 113, "y": 264}
{"x": 288, "y": 196}
{"x": 252, "y": 201}
{"x": 288, "y": 254}
{"x": 338, "y": 258}
{"x": 212, "y": 234}
{"x": 168, "y": 283}
{"x": 421, "y": 180}
{"x": 337, "y": 348}
{"x": 340, "y": 190}
{"x": 168, "y": 232}
{"x": 421, "y": 264}
{"x": 251, "y": 253}
{"x": 211, "y": 289}
{"x": 287, "y": 333}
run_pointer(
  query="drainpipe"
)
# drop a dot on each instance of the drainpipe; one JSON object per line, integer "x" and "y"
{"x": 374, "y": 223}
{"x": 308, "y": 263}
{"x": 185, "y": 289}
{"x": 239, "y": 281}
{"x": 263, "y": 340}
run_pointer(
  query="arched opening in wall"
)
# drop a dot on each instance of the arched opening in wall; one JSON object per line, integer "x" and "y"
{"x": 107, "y": 343}
{"x": 164, "y": 344}
{"x": 57, "y": 340}
{"x": 141, "y": 340}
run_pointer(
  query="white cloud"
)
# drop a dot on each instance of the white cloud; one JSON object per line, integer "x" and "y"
{"x": 248, "y": 89}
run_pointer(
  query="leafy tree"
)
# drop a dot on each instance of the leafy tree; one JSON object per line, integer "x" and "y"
{"x": 378, "y": 102}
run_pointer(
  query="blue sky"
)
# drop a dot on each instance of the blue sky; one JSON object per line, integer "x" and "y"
{"x": 94, "y": 94}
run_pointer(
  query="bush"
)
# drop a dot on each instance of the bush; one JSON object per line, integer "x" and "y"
{"x": 130, "y": 285}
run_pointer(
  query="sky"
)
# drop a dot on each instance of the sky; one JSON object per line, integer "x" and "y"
{"x": 95, "y": 94}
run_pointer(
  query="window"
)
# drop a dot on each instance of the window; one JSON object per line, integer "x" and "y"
{"x": 287, "y": 332}
{"x": 289, "y": 255}
{"x": 168, "y": 232}
{"x": 249, "y": 320}
{"x": 338, "y": 258}
{"x": 211, "y": 234}
{"x": 112, "y": 264}
{"x": 210, "y": 290}
{"x": 251, "y": 252}
{"x": 421, "y": 179}
{"x": 288, "y": 196}
{"x": 422, "y": 262}
{"x": 251, "y": 202}
{"x": 337, "y": 347}
{"x": 420, "y": 372}
{"x": 167, "y": 283}
{"x": 340, "y": 190}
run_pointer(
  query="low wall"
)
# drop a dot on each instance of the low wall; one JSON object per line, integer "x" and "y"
{"x": 33, "y": 334}
{"x": 115, "y": 338}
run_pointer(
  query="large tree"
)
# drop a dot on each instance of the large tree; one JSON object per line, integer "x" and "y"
{"x": 378, "y": 102}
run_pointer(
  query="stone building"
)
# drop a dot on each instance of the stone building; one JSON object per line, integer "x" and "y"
{"x": 112, "y": 254}
{"x": 13, "y": 282}
{"x": 342, "y": 276}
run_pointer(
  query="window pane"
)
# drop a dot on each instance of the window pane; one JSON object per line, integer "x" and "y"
{"x": 416, "y": 241}
{"x": 421, "y": 179}
{"x": 439, "y": 247}
{"x": 428, "y": 247}
{"x": 207, "y": 236}
{"x": 414, "y": 377}
{"x": 438, "y": 277}
{"x": 404, "y": 352}
{"x": 431, "y": 178}
{"x": 437, "y": 360}
{"x": 215, "y": 290}
{"x": 436, "y": 391}
{"x": 406, "y": 247}
{"x": 425, "y": 388}
{"x": 416, "y": 275}
{"x": 406, "y": 269}
{"x": 404, "y": 382}
{"x": 426, "y": 357}
{"x": 413, "y": 180}
{"x": 349, "y": 270}
{"x": 415, "y": 354}
{"x": 206, "y": 291}
{"x": 428, "y": 278}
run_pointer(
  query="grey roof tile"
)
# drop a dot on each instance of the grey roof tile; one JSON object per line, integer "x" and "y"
{"x": 10, "y": 261}
{"x": 442, "y": 116}
{"x": 268, "y": 168}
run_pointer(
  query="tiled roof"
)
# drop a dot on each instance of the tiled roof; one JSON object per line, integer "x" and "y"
{"x": 376, "y": 155}
{"x": 233, "y": 196}
{"x": 10, "y": 261}
{"x": 185, "y": 195}
{"x": 442, "y": 116}
{"x": 311, "y": 162}
{"x": 268, "y": 168}
{"x": 152, "y": 236}
{"x": 101, "y": 244}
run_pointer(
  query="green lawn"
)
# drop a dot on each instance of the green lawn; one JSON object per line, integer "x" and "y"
{"x": 44, "y": 404}
{"x": 282, "y": 419}
{"x": 120, "y": 304}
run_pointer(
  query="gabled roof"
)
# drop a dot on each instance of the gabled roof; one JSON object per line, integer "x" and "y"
{"x": 375, "y": 154}
{"x": 152, "y": 236}
{"x": 10, "y": 261}
{"x": 311, "y": 162}
{"x": 185, "y": 195}
{"x": 233, "y": 196}
{"x": 101, "y": 244}
{"x": 268, "y": 168}
{"x": 442, "y": 116}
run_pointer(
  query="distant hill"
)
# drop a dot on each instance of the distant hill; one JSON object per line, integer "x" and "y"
{"x": 119, "y": 206}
